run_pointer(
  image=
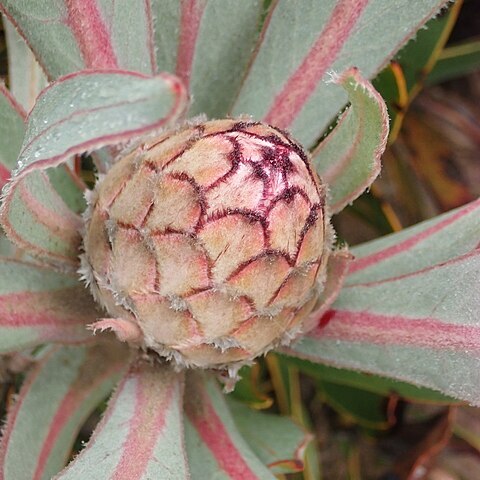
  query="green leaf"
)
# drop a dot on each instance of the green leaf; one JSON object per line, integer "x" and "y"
{"x": 348, "y": 160}
{"x": 12, "y": 130}
{"x": 67, "y": 36}
{"x": 278, "y": 441}
{"x": 356, "y": 406}
{"x": 369, "y": 382}
{"x": 287, "y": 387}
{"x": 456, "y": 61}
{"x": 140, "y": 436}
{"x": 215, "y": 447}
{"x": 80, "y": 112}
{"x": 418, "y": 56}
{"x": 410, "y": 308}
{"x": 57, "y": 397}
{"x": 299, "y": 46}
{"x": 37, "y": 220}
{"x": 69, "y": 186}
{"x": 166, "y": 14}
{"x": 249, "y": 389}
{"x": 38, "y": 305}
{"x": 26, "y": 77}
{"x": 207, "y": 44}
{"x": 6, "y": 247}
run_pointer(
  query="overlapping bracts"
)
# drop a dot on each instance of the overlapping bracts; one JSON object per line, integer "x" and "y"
{"x": 212, "y": 240}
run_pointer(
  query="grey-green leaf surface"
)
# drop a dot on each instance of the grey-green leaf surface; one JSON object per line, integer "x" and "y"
{"x": 55, "y": 400}
{"x": 39, "y": 305}
{"x": 141, "y": 434}
{"x": 6, "y": 247}
{"x": 409, "y": 309}
{"x": 424, "y": 245}
{"x": 348, "y": 160}
{"x": 278, "y": 441}
{"x": 12, "y": 130}
{"x": 36, "y": 219}
{"x": 69, "y": 186}
{"x": 90, "y": 109}
{"x": 26, "y": 77}
{"x": 215, "y": 447}
{"x": 67, "y": 36}
{"x": 208, "y": 44}
{"x": 26, "y": 81}
{"x": 80, "y": 112}
{"x": 298, "y": 47}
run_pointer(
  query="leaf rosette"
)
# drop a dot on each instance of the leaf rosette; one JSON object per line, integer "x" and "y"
{"x": 276, "y": 282}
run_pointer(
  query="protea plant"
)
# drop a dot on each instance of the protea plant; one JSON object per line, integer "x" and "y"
{"x": 204, "y": 240}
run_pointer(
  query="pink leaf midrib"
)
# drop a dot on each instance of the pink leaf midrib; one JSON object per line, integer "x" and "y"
{"x": 26, "y": 309}
{"x": 144, "y": 429}
{"x": 150, "y": 36}
{"x": 368, "y": 327}
{"x": 85, "y": 20}
{"x": 216, "y": 437}
{"x": 191, "y": 12}
{"x": 303, "y": 82}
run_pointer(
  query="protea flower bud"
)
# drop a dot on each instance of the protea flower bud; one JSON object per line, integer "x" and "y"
{"x": 208, "y": 245}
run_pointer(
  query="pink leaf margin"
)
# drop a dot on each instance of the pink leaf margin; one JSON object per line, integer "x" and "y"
{"x": 297, "y": 463}
{"x": 190, "y": 19}
{"x": 4, "y": 175}
{"x": 338, "y": 169}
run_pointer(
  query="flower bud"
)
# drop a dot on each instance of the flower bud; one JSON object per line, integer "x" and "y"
{"x": 210, "y": 242}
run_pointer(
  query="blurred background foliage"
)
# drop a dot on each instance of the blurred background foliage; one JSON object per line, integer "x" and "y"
{"x": 367, "y": 427}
